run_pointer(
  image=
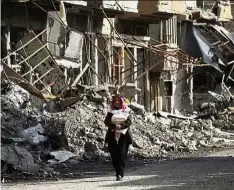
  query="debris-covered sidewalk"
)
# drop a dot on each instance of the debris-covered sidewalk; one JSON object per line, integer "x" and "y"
{"x": 41, "y": 137}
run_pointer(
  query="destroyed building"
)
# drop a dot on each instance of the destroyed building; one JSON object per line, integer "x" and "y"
{"x": 166, "y": 57}
{"x": 106, "y": 42}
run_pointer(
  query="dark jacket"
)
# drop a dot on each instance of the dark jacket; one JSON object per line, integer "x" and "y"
{"x": 111, "y": 126}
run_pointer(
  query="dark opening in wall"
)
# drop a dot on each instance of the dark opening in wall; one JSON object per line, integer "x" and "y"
{"x": 132, "y": 28}
{"x": 168, "y": 88}
{"x": 203, "y": 83}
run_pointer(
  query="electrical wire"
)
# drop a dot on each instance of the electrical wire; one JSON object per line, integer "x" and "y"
{"x": 71, "y": 29}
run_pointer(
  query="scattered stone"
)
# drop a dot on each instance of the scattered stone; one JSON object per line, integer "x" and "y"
{"x": 62, "y": 156}
{"x": 77, "y": 131}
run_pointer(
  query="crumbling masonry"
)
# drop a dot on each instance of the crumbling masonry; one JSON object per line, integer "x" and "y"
{"x": 61, "y": 61}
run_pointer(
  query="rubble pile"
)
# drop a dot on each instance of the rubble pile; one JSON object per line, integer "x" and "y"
{"x": 35, "y": 139}
{"x": 28, "y": 135}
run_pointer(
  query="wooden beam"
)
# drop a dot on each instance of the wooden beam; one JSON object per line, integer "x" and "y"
{"x": 18, "y": 79}
{"x": 81, "y": 74}
{"x": 8, "y": 41}
{"x": 95, "y": 61}
{"x": 135, "y": 69}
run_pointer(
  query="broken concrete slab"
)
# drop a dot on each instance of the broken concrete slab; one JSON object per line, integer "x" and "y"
{"x": 62, "y": 156}
{"x": 9, "y": 73}
{"x": 19, "y": 158}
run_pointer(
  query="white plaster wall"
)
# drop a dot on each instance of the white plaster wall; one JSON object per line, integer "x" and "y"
{"x": 191, "y": 4}
{"x": 53, "y": 33}
{"x": 75, "y": 45}
{"x": 129, "y": 6}
{"x": 181, "y": 93}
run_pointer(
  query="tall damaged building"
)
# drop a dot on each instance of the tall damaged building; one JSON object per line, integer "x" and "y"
{"x": 166, "y": 54}
{"x": 204, "y": 34}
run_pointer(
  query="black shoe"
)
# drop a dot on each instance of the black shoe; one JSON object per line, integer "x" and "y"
{"x": 119, "y": 178}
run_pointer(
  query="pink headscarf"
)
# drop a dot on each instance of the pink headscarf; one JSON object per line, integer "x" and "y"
{"x": 123, "y": 105}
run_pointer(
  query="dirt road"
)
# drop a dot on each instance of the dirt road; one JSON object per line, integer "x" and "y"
{"x": 214, "y": 172}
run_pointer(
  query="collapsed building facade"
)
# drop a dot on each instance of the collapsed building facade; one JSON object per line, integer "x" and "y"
{"x": 62, "y": 60}
{"x": 167, "y": 54}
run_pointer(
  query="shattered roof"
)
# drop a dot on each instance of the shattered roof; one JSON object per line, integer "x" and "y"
{"x": 212, "y": 43}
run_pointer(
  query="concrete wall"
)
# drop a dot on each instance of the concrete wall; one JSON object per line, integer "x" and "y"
{"x": 224, "y": 10}
{"x": 182, "y": 92}
{"x": 128, "y": 6}
{"x": 61, "y": 42}
{"x": 168, "y": 6}
{"x": 230, "y": 25}
{"x": 165, "y": 31}
{"x": 119, "y": 6}
{"x": 102, "y": 26}
{"x": 183, "y": 96}
{"x": 191, "y": 4}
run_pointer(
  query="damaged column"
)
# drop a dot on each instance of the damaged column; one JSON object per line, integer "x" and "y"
{"x": 147, "y": 85}
{"x": 191, "y": 89}
{"x": 7, "y": 39}
{"x": 135, "y": 69}
{"x": 94, "y": 58}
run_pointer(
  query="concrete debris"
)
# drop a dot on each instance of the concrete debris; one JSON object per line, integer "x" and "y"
{"x": 49, "y": 137}
{"x": 62, "y": 156}
{"x": 19, "y": 158}
{"x": 18, "y": 96}
{"x": 220, "y": 111}
{"x": 33, "y": 134}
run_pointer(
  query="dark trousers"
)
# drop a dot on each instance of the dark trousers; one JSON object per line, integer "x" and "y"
{"x": 118, "y": 152}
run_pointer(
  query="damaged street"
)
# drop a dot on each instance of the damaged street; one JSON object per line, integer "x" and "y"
{"x": 171, "y": 63}
{"x": 39, "y": 148}
{"x": 193, "y": 173}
